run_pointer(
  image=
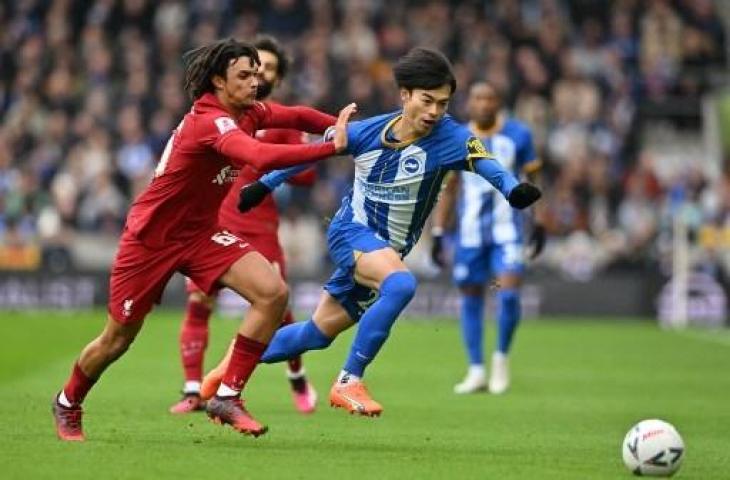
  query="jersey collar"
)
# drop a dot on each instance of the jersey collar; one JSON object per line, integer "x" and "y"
{"x": 395, "y": 145}
{"x": 208, "y": 102}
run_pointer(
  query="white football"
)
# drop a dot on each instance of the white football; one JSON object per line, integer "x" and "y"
{"x": 653, "y": 448}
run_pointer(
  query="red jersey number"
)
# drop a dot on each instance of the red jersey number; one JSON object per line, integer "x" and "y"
{"x": 162, "y": 164}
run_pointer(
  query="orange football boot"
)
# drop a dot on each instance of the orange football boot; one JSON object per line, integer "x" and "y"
{"x": 355, "y": 398}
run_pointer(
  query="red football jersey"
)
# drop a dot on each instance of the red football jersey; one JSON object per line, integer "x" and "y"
{"x": 202, "y": 158}
{"x": 264, "y": 218}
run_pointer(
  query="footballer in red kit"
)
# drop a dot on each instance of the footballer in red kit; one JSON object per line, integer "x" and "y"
{"x": 259, "y": 227}
{"x": 173, "y": 226}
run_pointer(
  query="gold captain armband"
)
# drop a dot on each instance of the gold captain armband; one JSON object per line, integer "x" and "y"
{"x": 476, "y": 150}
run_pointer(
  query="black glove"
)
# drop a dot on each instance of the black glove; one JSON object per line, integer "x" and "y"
{"x": 537, "y": 240}
{"x": 437, "y": 249}
{"x": 523, "y": 195}
{"x": 251, "y": 195}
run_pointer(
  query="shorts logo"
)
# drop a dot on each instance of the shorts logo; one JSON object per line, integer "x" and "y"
{"x": 127, "y": 307}
{"x": 225, "y": 124}
{"x": 366, "y": 303}
{"x": 410, "y": 165}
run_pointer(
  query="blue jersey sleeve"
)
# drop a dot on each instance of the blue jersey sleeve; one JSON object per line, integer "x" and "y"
{"x": 355, "y": 137}
{"x": 354, "y": 143}
{"x": 275, "y": 178}
{"x": 493, "y": 172}
{"x": 476, "y": 158}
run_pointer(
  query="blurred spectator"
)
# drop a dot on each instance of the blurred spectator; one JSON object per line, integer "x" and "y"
{"x": 90, "y": 92}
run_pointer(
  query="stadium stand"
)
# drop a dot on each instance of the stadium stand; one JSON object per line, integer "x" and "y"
{"x": 90, "y": 90}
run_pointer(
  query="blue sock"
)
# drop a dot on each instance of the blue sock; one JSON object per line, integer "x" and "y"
{"x": 395, "y": 292}
{"x": 508, "y": 316}
{"x": 472, "y": 327}
{"x": 293, "y": 340}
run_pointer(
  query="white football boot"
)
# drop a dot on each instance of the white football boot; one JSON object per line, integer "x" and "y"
{"x": 499, "y": 374}
{"x": 475, "y": 381}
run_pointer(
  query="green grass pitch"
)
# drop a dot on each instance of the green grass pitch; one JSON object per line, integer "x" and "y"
{"x": 578, "y": 387}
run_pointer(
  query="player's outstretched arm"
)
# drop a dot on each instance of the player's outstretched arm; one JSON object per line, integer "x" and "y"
{"x": 254, "y": 193}
{"x": 243, "y": 150}
{"x": 302, "y": 118}
{"x": 519, "y": 195}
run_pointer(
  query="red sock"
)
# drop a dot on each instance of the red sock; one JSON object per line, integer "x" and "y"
{"x": 244, "y": 358}
{"x": 78, "y": 385}
{"x": 194, "y": 340}
{"x": 295, "y": 363}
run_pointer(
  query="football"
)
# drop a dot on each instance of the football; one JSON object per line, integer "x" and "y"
{"x": 653, "y": 448}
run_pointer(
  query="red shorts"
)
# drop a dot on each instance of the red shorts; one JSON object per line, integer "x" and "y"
{"x": 139, "y": 273}
{"x": 266, "y": 245}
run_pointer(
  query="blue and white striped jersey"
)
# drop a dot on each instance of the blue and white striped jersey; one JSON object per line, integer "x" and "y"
{"x": 484, "y": 215}
{"x": 397, "y": 185}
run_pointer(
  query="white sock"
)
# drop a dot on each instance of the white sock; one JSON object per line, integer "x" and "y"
{"x": 347, "y": 377}
{"x": 476, "y": 369}
{"x": 226, "y": 391}
{"x": 295, "y": 375}
{"x": 191, "y": 386}
{"x": 63, "y": 400}
{"x": 497, "y": 355}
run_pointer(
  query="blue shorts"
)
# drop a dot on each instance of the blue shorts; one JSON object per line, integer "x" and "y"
{"x": 346, "y": 242}
{"x": 475, "y": 266}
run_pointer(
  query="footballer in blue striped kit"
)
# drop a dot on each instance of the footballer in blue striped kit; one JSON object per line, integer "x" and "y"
{"x": 401, "y": 160}
{"x": 489, "y": 243}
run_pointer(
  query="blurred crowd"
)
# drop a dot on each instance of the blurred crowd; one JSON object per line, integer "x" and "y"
{"x": 90, "y": 91}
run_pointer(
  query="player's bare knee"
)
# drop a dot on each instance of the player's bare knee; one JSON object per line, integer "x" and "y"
{"x": 272, "y": 294}
{"x": 280, "y": 295}
{"x": 116, "y": 340}
{"x": 119, "y": 348}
